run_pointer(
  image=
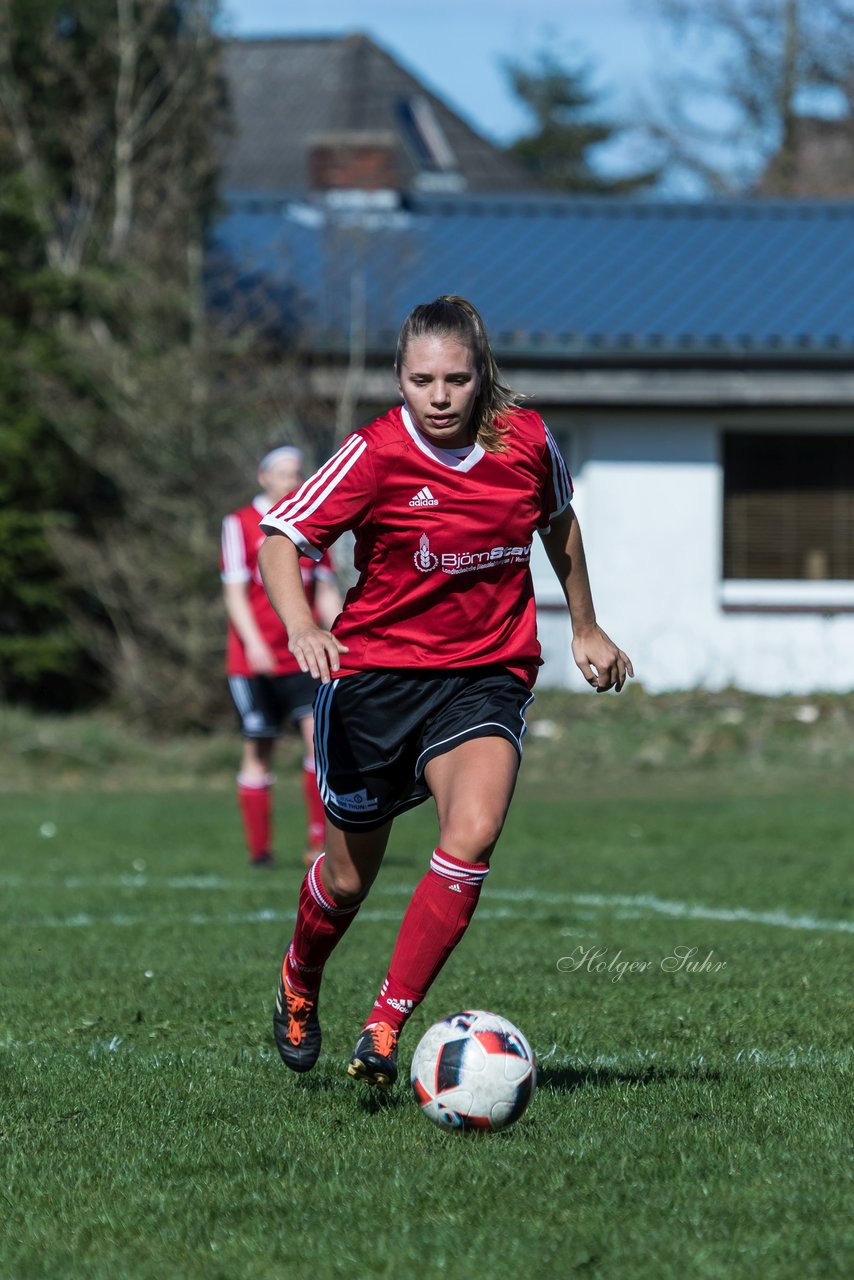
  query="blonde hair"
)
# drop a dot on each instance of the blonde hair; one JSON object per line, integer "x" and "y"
{"x": 454, "y": 317}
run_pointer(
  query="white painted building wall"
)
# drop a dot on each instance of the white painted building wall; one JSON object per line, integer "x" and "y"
{"x": 650, "y": 503}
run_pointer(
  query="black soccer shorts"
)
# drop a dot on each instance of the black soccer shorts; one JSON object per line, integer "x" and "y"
{"x": 375, "y": 731}
{"x": 263, "y": 702}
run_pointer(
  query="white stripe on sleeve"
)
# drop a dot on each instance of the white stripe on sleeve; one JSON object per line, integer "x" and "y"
{"x": 234, "y": 567}
{"x": 310, "y": 494}
{"x": 561, "y": 481}
{"x": 287, "y": 517}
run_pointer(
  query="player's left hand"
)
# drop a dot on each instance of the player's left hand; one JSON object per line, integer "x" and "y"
{"x": 602, "y": 664}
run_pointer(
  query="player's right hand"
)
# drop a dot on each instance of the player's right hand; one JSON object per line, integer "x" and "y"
{"x": 260, "y": 657}
{"x": 317, "y": 652}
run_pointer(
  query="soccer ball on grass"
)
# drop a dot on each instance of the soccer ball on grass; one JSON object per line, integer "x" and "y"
{"x": 473, "y": 1070}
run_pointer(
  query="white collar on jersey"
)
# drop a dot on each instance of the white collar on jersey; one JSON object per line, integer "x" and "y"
{"x": 447, "y": 457}
{"x": 261, "y": 505}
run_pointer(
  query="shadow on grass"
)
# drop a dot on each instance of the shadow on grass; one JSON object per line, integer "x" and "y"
{"x": 368, "y": 1099}
{"x": 372, "y": 1102}
{"x": 317, "y": 1082}
{"x": 568, "y": 1079}
{"x": 558, "y": 1079}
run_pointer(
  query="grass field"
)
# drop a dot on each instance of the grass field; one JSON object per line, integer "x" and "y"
{"x": 687, "y": 1123}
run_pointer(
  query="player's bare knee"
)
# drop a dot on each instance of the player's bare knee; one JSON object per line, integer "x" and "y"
{"x": 474, "y": 838}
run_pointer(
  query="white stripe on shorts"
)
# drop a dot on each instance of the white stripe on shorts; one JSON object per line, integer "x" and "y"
{"x": 239, "y": 686}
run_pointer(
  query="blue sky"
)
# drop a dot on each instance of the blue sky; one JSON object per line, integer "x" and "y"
{"x": 456, "y": 47}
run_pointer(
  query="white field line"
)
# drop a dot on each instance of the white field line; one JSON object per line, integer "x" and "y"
{"x": 266, "y": 915}
{"x": 625, "y": 906}
{"x": 645, "y": 903}
{"x": 627, "y": 1063}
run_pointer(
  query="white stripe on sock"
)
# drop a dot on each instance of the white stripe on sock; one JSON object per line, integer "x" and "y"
{"x": 469, "y": 874}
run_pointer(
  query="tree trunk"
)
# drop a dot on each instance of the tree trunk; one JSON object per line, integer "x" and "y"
{"x": 123, "y": 188}
{"x": 788, "y": 155}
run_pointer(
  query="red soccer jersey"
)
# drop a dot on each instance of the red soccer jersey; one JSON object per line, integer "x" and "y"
{"x": 443, "y": 543}
{"x": 241, "y": 539}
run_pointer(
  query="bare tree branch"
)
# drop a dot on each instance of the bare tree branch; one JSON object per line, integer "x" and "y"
{"x": 774, "y": 62}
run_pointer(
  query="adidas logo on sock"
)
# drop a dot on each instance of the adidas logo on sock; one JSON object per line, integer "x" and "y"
{"x": 455, "y": 888}
{"x": 402, "y": 1006}
{"x": 424, "y": 498}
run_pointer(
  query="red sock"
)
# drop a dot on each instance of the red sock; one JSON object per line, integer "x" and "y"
{"x": 313, "y": 806}
{"x": 255, "y": 799}
{"x": 319, "y": 928}
{"x": 438, "y": 915}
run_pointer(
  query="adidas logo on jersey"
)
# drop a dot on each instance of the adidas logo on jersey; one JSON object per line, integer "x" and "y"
{"x": 424, "y": 498}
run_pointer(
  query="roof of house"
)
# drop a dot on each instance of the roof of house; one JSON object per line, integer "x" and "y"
{"x": 286, "y": 94}
{"x": 560, "y": 278}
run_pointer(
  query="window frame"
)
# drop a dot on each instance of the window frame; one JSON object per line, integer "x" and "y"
{"x": 825, "y": 596}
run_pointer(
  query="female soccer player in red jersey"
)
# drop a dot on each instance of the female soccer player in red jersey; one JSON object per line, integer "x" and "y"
{"x": 427, "y": 671}
{"x": 264, "y": 678}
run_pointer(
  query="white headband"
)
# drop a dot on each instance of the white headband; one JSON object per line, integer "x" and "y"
{"x": 284, "y": 451}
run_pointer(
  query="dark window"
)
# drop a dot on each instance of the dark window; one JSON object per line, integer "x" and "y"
{"x": 788, "y": 506}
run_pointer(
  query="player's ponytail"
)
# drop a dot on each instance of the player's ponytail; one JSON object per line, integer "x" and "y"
{"x": 452, "y": 316}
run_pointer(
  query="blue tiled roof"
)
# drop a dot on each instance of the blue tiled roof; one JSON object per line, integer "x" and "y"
{"x": 560, "y": 277}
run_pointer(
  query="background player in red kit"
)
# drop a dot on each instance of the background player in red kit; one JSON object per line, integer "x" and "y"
{"x": 428, "y": 671}
{"x": 264, "y": 677}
